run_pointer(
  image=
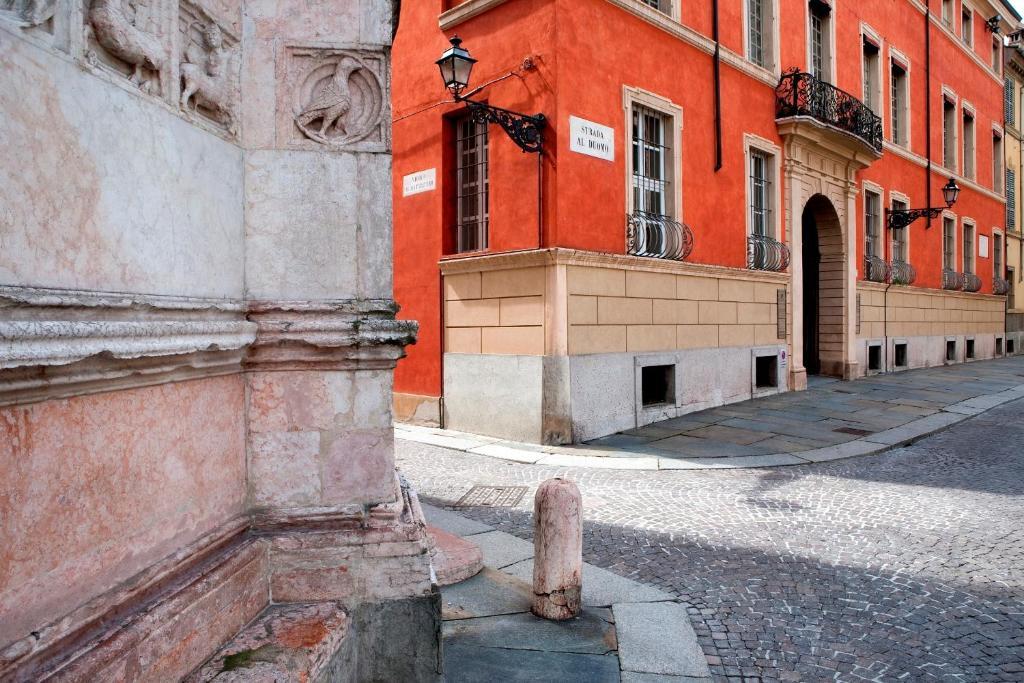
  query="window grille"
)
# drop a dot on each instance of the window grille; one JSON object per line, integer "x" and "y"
{"x": 652, "y": 162}
{"x": 761, "y": 194}
{"x": 871, "y": 202}
{"x": 997, "y": 255}
{"x": 997, "y": 164}
{"x": 472, "y": 185}
{"x": 899, "y": 236}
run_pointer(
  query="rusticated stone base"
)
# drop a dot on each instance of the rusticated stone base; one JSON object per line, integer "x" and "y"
{"x": 399, "y": 640}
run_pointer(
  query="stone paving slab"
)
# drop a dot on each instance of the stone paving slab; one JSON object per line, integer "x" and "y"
{"x": 470, "y": 664}
{"x": 832, "y": 420}
{"x": 500, "y": 549}
{"x": 601, "y": 588}
{"x": 591, "y": 633}
{"x": 489, "y": 593}
{"x": 453, "y": 523}
{"x": 651, "y": 640}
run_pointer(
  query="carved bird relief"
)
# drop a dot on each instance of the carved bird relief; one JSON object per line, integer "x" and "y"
{"x": 331, "y": 103}
{"x": 119, "y": 35}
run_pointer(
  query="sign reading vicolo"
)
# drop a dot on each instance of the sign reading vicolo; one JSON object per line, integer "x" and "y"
{"x": 421, "y": 181}
{"x": 592, "y": 139}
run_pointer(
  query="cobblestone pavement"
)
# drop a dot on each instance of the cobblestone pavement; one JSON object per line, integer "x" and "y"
{"x": 906, "y": 566}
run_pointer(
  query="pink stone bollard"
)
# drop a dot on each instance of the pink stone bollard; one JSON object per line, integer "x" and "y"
{"x": 557, "y": 550}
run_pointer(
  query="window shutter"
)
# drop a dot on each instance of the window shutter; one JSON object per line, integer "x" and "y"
{"x": 1011, "y": 199}
{"x": 1008, "y": 102}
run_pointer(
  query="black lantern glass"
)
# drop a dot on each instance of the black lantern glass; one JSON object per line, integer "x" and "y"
{"x": 456, "y": 66}
{"x": 950, "y": 191}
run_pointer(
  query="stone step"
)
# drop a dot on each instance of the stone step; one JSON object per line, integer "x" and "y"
{"x": 307, "y": 643}
{"x": 454, "y": 559}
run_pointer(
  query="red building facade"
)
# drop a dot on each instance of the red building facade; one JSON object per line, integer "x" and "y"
{"x": 708, "y": 219}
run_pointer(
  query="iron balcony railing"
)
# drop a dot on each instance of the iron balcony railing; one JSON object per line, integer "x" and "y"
{"x": 902, "y": 273}
{"x": 876, "y": 269}
{"x": 1000, "y": 286}
{"x": 972, "y": 283}
{"x": 801, "y": 94}
{"x": 952, "y": 279}
{"x": 766, "y": 253}
{"x": 655, "y": 236}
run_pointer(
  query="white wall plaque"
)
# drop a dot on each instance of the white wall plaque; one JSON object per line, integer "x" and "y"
{"x": 592, "y": 139}
{"x": 421, "y": 181}
{"x": 983, "y": 246}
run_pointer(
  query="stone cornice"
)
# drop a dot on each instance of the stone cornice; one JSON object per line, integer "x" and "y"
{"x": 594, "y": 259}
{"x": 937, "y": 168}
{"x": 927, "y": 291}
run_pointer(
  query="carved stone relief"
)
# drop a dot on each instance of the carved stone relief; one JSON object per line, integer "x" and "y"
{"x": 28, "y": 13}
{"x": 131, "y": 37}
{"x": 338, "y": 99}
{"x": 209, "y": 67}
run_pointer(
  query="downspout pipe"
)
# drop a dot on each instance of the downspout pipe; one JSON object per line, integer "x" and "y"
{"x": 928, "y": 104}
{"x": 717, "y": 66}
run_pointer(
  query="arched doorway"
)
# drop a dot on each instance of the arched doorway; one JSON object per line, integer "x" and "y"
{"x": 824, "y": 276}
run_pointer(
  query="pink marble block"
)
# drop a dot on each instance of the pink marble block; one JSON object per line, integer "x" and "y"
{"x": 558, "y": 550}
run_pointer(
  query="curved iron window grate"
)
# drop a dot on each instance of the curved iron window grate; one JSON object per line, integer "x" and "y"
{"x": 972, "y": 283}
{"x": 655, "y": 236}
{"x": 766, "y": 253}
{"x": 1000, "y": 286}
{"x": 952, "y": 279}
{"x": 876, "y": 269}
{"x": 801, "y": 94}
{"x": 903, "y": 273}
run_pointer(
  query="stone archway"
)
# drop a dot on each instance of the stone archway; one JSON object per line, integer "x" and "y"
{"x": 823, "y": 258}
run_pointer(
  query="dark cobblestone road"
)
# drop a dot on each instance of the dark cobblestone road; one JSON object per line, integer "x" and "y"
{"x": 907, "y": 566}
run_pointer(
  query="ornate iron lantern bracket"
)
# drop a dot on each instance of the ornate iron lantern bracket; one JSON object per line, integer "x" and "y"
{"x": 901, "y": 218}
{"x": 525, "y": 130}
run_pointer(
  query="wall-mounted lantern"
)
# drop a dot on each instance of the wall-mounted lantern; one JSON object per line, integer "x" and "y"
{"x": 456, "y": 66}
{"x": 992, "y": 24}
{"x": 901, "y": 218}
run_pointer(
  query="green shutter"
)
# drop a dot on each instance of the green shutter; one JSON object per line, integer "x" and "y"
{"x": 1008, "y": 103}
{"x": 1011, "y": 199}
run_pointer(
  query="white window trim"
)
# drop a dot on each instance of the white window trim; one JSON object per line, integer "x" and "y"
{"x": 632, "y": 96}
{"x": 964, "y": 222}
{"x": 775, "y": 56}
{"x": 967, "y": 108}
{"x": 831, "y": 66}
{"x": 949, "y": 94}
{"x": 673, "y": 10}
{"x": 997, "y": 234}
{"x": 960, "y": 22}
{"x": 867, "y": 31}
{"x": 997, "y": 183}
{"x": 759, "y": 144}
{"x": 877, "y": 190}
{"x": 904, "y": 63}
{"x": 942, "y": 240}
{"x": 899, "y": 196}
{"x": 997, "y": 67}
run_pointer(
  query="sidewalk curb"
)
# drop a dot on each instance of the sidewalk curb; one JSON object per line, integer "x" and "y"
{"x": 605, "y": 458}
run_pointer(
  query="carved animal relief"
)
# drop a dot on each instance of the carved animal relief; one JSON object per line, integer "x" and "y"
{"x": 131, "y": 36}
{"x": 209, "y": 68}
{"x": 28, "y": 13}
{"x": 339, "y": 97}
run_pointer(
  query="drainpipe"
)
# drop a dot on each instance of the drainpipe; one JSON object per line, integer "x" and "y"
{"x": 928, "y": 104}
{"x": 717, "y": 62}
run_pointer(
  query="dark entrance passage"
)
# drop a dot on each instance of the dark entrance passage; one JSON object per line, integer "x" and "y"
{"x": 824, "y": 278}
{"x": 812, "y": 266}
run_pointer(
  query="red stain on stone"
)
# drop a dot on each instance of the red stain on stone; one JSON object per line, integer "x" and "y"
{"x": 306, "y": 633}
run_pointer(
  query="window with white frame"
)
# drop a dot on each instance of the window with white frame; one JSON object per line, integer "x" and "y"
{"x": 872, "y": 222}
{"x": 967, "y": 26}
{"x": 899, "y": 236}
{"x": 872, "y": 75}
{"x": 653, "y": 164}
{"x": 948, "y": 133}
{"x": 997, "y": 255}
{"x": 762, "y": 170}
{"x": 968, "y": 248}
{"x": 760, "y": 32}
{"x": 997, "y": 54}
{"x": 997, "y": 162}
{"x": 820, "y": 37}
{"x": 898, "y": 104}
{"x": 947, "y": 13}
{"x": 471, "y": 184}
{"x": 664, "y": 6}
{"x": 968, "y": 143}
{"x": 948, "y": 243}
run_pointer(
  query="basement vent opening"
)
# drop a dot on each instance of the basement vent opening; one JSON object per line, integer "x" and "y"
{"x": 951, "y": 351}
{"x": 999, "y": 346}
{"x": 766, "y": 372}
{"x": 875, "y": 358}
{"x": 900, "y": 355}
{"x": 657, "y": 385}
{"x": 969, "y": 349}
{"x": 1009, "y": 346}
{"x": 492, "y": 496}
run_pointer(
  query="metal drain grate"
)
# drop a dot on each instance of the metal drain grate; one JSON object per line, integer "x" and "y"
{"x": 492, "y": 496}
{"x": 853, "y": 430}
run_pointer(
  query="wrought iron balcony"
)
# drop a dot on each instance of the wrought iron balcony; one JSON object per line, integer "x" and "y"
{"x": 952, "y": 279}
{"x": 801, "y": 94}
{"x": 655, "y": 236}
{"x": 972, "y": 283}
{"x": 765, "y": 253}
{"x": 1000, "y": 286}
{"x": 902, "y": 273}
{"x": 876, "y": 269}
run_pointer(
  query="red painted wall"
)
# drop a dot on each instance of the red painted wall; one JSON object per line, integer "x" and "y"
{"x": 585, "y": 51}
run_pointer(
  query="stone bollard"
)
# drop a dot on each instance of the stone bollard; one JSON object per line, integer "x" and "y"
{"x": 557, "y": 550}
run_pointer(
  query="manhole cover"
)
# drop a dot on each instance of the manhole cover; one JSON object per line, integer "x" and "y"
{"x": 492, "y": 496}
{"x": 853, "y": 430}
